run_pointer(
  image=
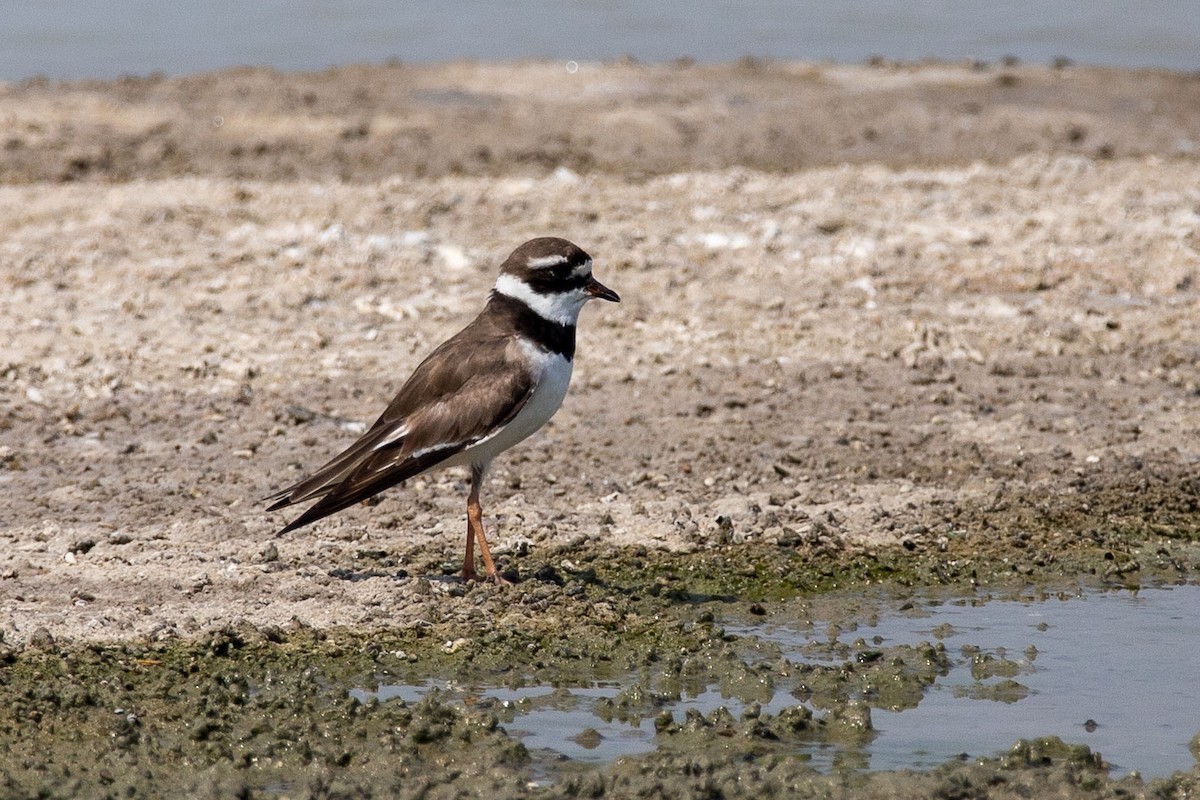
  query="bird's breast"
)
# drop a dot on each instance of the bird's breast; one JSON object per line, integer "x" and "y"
{"x": 553, "y": 377}
{"x": 552, "y": 373}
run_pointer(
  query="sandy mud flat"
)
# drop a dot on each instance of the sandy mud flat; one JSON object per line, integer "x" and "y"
{"x": 923, "y": 325}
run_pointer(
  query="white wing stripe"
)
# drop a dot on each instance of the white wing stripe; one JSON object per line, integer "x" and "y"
{"x": 392, "y": 437}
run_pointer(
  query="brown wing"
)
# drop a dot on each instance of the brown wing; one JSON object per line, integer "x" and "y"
{"x": 468, "y": 388}
{"x": 330, "y": 474}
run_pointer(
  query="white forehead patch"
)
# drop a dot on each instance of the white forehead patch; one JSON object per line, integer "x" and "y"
{"x": 583, "y": 269}
{"x": 541, "y": 262}
{"x": 560, "y": 307}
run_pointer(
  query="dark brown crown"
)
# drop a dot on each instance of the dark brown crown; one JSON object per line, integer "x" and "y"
{"x": 548, "y": 265}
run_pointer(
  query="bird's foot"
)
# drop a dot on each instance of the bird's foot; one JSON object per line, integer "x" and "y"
{"x": 470, "y": 575}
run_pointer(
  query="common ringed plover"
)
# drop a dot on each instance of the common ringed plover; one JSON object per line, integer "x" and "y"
{"x": 480, "y": 392}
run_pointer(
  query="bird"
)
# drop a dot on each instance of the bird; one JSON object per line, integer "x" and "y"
{"x": 480, "y": 392}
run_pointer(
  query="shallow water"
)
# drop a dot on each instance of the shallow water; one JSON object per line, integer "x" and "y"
{"x": 1116, "y": 671}
{"x": 1129, "y": 663}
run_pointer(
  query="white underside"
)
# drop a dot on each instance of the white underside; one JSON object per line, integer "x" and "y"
{"x": 553, "y": 378}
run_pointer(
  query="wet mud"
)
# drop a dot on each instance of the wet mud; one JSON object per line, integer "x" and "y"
{"x": 271, "y": 712}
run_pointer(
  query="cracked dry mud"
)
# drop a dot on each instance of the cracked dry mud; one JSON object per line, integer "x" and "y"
{"x": 969, "y": 352}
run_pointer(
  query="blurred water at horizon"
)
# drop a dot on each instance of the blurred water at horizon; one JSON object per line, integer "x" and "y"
{"x": 69, "y": 39}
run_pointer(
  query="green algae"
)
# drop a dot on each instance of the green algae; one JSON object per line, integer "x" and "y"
{"x": 264, "y": 712}
{"x": 1005, "y": 691}
{"x": 989, "y": 665}
{"x": 101, "y": 722}
{"x": 734, "y": 759}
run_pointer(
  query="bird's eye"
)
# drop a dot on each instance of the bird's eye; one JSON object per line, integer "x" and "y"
{"x": 562, "y": 271}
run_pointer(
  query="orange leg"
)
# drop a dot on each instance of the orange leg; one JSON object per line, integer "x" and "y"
{"x": 474, "y": 517}
{"x": 475, "y": 533}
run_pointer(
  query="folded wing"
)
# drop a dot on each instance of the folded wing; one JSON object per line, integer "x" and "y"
{"x": 455, "y": 399}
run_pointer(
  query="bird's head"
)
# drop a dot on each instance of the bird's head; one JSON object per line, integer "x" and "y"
{"x": 553, "y": 277}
